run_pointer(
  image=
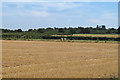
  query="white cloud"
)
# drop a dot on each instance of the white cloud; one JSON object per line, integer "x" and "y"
{"x": 57, "y": 5}
{"x": 20, "y": 6}
{"x": 7, "y": 14}
{"x": 35, "y": 13}
{"x": 60, "y": 0}
{"x": 69, "y": 20}
{"x": 60, "y": 5}
{"x": 45, "y": 5}
{"x": 49, "y": 13}
{"x": 40, "y": 14}
{"x": 108, "y": 18}
{"x": 0, "y": 14}
{"x": 109, "y": 15}
{"x": 94, "y": 20}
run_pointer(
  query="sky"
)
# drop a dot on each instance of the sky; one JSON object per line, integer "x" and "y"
{"x": 30, "y": 15}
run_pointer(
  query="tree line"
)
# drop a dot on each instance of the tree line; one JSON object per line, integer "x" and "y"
{"x": 67, "y": 31}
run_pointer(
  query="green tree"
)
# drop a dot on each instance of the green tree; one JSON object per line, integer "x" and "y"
{"x": 103, "y": 27}
{"x": 19, "y": 30}
{"x": 30, "y": 30}
{"x": 40, "y": 30}
{"x": 72, "y": 31}
{"x": 61, "y": 30}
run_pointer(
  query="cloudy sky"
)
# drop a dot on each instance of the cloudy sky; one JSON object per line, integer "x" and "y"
{"x": 26, "y": 15}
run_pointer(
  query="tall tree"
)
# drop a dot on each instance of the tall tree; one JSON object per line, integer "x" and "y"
{"x": 103, "y": 27}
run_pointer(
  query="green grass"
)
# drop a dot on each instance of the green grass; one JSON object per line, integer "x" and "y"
{"x": 92, "y": 35}
{"x": 57, "y": 40}
{"x": 95, "y": 34}
{"x": 99, "y": 35}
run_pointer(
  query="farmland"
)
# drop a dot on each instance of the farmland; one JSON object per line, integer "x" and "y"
{"x": 97, "y": 35}
{"x": 92, "y": 35}
{"x": 49, "y": 59}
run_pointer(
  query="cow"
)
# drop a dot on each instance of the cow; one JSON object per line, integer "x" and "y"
{"x": 64, "y": 39}
{"x": 61, "y": 39}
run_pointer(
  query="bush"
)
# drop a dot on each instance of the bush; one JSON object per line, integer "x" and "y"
{"x": 14, "y": 39}
{"x": 97, "y": 40}
{"x": 8, "y": 38}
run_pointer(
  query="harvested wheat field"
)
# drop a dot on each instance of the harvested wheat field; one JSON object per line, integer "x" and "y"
{"x": 44, "y": 59}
